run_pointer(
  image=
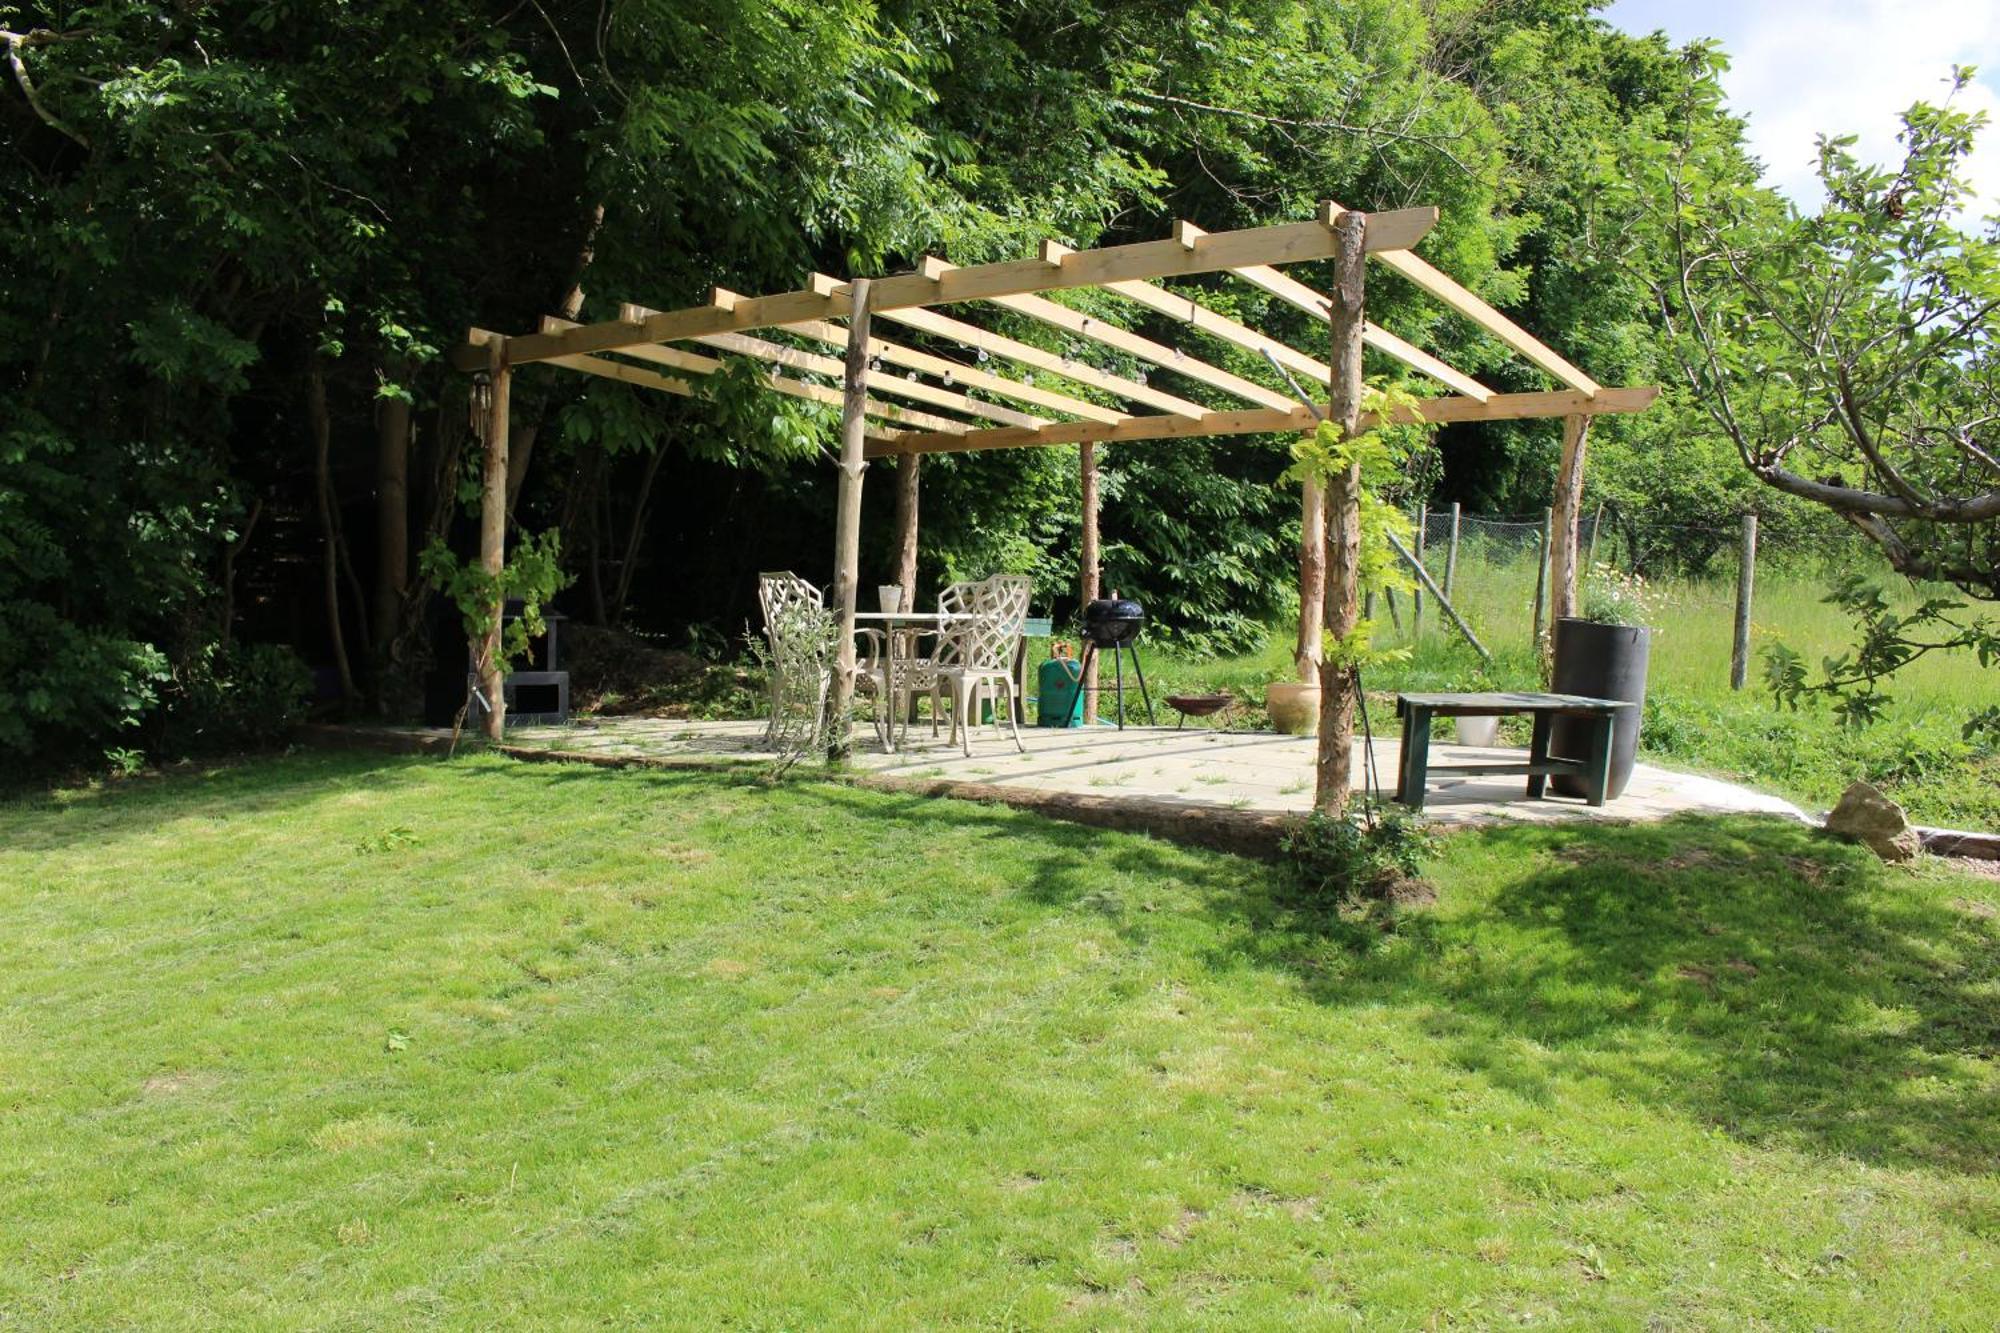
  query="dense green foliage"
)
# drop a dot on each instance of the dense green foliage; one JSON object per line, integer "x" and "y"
{"x": 239, "y": 236}
{"x": 500, "y": 1045}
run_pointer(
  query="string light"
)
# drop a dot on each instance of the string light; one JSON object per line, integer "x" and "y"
{"x": 947, "y": 379}
{"x": 982, "y": 356}
{"x": 1141, "y": 377}
{"x": 912, "y": 377}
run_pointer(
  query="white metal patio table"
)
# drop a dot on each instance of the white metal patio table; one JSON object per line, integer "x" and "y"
{"x": 902, "y": 628}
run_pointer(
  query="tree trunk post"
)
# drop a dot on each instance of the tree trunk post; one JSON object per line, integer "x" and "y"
{"x": 1312, "y": 580}
{"x": 1088, "y": 587}
{"x": 493, "y": 537}
{"x": 1746, "y": 579}
{"x": 1568, "y": 510}
{"x": 1345, "y": 318}
{"x": 1451, "y": 553}
{"x": 1542, "y": 589}
{"x": 392, "y": 517}
{"x": 908, "y": 478}
{"x": 847, "y": 525}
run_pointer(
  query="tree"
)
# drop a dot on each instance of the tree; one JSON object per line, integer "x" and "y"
{"x": 1851, "y": 355}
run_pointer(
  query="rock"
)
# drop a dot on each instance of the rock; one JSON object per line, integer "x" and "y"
{"x": 1866, "y": 816}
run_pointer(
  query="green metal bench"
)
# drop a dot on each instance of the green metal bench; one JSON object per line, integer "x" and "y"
{"x": 1417, "y": 710}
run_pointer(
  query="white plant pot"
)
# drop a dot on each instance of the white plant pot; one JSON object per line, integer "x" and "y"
{"x": 1478, "y": 730}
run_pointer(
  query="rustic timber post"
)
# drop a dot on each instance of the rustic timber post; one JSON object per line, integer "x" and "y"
{"x": 847, "y": 522}
{"x": 1087, "y": 570}
{"x": 907, "y": 478}
{"x": 493, "y": 535}
{"x": 1568, "y": 521}
{"x": 1746, "y": 579}
{"x": 1312, "y": 580}
{"x": 1343, "y": 517}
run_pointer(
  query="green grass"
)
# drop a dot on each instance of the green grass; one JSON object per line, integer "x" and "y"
{"x": 1916, "y": 752}
{"x": 357, "y": 1042}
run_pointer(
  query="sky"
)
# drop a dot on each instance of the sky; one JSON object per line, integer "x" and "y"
{"x": 1800, "y": 67}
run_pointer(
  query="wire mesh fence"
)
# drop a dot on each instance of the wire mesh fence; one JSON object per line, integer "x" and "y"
{"x": 1493, "y": 571}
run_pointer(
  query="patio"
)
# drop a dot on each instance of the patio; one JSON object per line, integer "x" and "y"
{"x": 1191, "y": 769}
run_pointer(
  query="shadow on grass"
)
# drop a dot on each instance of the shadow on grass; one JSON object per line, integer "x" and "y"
{"x": 1784, "y": 989}
{"x": 1748, "y": 972}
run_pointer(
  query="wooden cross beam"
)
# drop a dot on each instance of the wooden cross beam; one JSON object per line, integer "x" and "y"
{"x": 708, "y": 365}
{"x": 1262, "y": 421}
{"x": 994, "y": 344}
{"x": 1447, "y": 290}
{"x": 1288, "y": 243}
{"x": 1124, "y": 340}
{"x": 834, "y": 335}
{"x": 1296, "y": 294}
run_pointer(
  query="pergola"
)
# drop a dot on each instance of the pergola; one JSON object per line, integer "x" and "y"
{"x": 654, "y": 349}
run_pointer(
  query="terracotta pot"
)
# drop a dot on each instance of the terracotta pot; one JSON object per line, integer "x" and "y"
{"x": 1294, "y": 707}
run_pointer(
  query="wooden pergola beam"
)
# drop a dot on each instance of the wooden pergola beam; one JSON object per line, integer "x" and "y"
{"x": 1262, "y": 421}
{"x": 1298, "y": 295}
{"x": 696, "y": 364}
{"x": 996, "y": 344}
{"x": 1446, "y": 289}
{"x": 1124, "y": 340}
{"x": 834, "y": 335}
{"x": 1196, "y": 316}
{"x": 1287, "y": 243}
{"x": 793, "y": 358}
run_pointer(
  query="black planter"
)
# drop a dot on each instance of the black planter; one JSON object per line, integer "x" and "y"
{"x": 1601, "y": 662}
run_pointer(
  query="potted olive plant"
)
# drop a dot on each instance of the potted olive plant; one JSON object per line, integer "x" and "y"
{"x": 1602, "y": 654}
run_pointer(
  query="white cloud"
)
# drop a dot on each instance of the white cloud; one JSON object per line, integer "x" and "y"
{"x": 1800, "y": 68}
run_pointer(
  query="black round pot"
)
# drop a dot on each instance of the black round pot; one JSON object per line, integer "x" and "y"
{"x": 1601, "y": 662}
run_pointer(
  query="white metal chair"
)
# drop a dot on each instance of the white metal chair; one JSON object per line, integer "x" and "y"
{"x": 978, "y": 659}
{"x": 796, "y": 628}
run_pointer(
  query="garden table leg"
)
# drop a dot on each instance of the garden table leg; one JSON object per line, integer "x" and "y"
{"x": 1538, "y": 754}
{"x": 1599, "y": 776}
{"x": 1416, "y": 756}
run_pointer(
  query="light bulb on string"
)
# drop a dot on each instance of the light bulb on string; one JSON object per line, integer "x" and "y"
{"x": 982, "y": 356}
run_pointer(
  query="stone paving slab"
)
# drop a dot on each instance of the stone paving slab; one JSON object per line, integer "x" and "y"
{"x": 1195, "y": 768}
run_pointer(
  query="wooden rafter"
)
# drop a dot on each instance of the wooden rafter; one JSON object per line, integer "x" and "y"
{"x": 793, "y": 358}
{"x": 1124, "y": 340}
{"x": 1446, "y": 289}
{"x": 1260, "y": 421}
{"x": 834, "y": 335}
{"x": 1295, "y": 293}
{"x": 1185, "y": 309}
{"x": 696, "y": 364}
{"x": 1285, "y": 244}
{"x": 995, "y": 344}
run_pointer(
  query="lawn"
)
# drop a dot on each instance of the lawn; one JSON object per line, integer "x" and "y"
{"x": 343, "y": 1041}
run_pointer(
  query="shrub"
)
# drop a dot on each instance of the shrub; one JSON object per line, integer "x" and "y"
{"x": 227, "y": 700}
{"x": 1330, "y": 860}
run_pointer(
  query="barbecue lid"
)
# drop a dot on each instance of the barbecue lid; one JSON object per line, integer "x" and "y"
{"x": 1113, "y": 608}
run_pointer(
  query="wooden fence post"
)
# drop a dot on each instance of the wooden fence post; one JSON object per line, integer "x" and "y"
{"x": 1451, "y": 555}
{"x": 1746, "y": 578}
{"x": 1542, "y": 582}
{"x": 1417, "y": 593}
{"x": 847, "y": 523}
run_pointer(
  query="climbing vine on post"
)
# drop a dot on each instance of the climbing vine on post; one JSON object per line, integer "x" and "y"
{"x": 1379, "y": 457}
{"x": 532, "y": 576}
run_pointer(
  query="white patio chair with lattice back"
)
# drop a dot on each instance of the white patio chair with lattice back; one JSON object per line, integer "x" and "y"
{"x": 782, "y": 594}
{"x": 794, "y": 625}
{"x": 984, "y": 652}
